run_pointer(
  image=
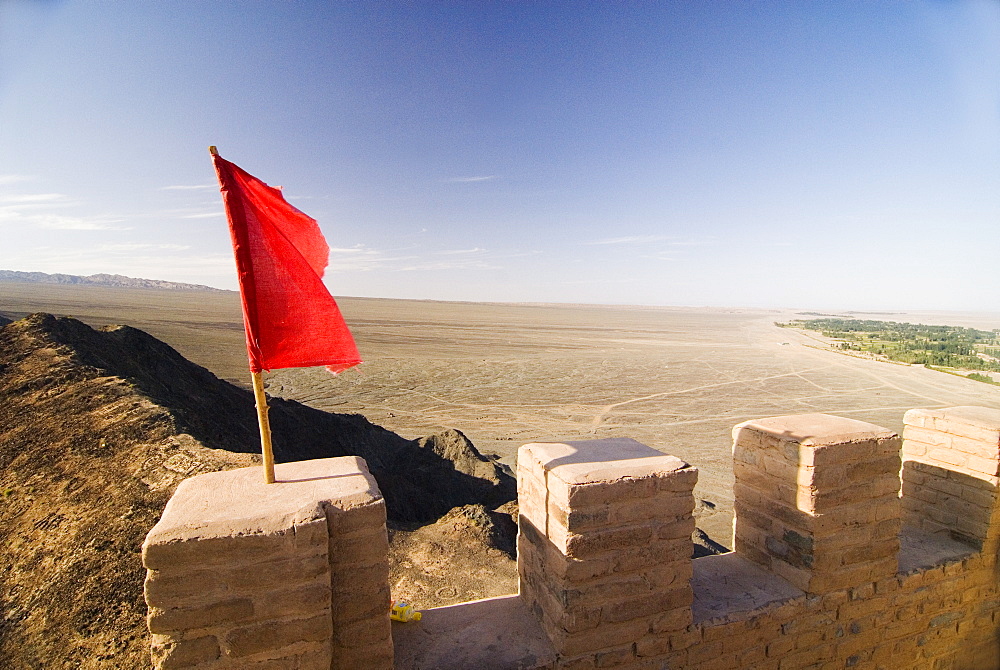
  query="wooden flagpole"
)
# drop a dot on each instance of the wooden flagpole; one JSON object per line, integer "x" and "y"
{"x": 261, "y": 400}
{"x": 265, "y": 426}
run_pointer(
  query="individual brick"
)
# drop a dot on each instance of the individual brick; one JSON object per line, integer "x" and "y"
{"x": 671, "y": 622}
{"x": 201, "y": 552}
{"x": 365, "y": 605}
{"x": 275, "y": 575}
{"x": 364, "y": 546}
{"x": 166, "y": 588}
{"x": 361, "y": 632}
{"x": 203, "y": 616}
{"x": 663, "y": 554}
{"x": 585, "y": 545}
{"x": 600, "y": 638}
{"x": 652, "y": 645}
{"x": 275, "y": 635}
{"x": 614, "y": 657}
{"x": 293, "y": 601}
{"x": 646, "y": 606}
{"x": 374, "y": 656}
{"x": 346, "y": 520}
{"x": 359, "y": 579}
{"x": 171, "y": 654}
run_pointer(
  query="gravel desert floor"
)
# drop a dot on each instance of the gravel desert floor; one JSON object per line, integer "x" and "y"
{"x": 677, "y": 379}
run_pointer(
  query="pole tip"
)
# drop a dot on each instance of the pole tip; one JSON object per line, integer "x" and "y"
{"x": 213, "y": 150}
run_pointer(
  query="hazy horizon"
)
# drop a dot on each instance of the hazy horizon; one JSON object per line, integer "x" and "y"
{"x": 983, "y": 319}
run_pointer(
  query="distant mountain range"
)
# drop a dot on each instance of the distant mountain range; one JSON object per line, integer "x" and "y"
{"x": 119, "y": 281}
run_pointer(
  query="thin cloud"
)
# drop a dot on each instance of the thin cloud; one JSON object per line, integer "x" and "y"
{"x": 447, "y": 265}
{"x": 692, "y": 243}
{"x": 189, "y": 187}
{"x": 603, "y": 281}
{"x": 31, "y": 198}
{"x": 204, "y": 215}
{"x": 289, "y": 197}
{"x": 7, "y": 210}
{"x": 469, "y": 180}
{"x": 55, "y": 222}
{"x": 668, "y": 240}
{"x": 14, "y": 178}
{"x": 451, "y": 252}
{"x": 364, "y": 259}
{"x": 360, "y": 258}
{"x": 354, "y": 250}
{"x": 138, "y": 246}
{"x": 629, "y": 239}
{"x": 10, "y": 216}
{"x": 50, "y": 211}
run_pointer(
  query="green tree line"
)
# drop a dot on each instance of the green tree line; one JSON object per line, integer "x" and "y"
{"x": 944, "y": 346}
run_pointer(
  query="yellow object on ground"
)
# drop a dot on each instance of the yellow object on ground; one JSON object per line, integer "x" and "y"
{"x": 402, "y": 611}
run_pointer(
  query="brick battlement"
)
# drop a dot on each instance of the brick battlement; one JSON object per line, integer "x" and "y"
{"x": 853, "y": 549}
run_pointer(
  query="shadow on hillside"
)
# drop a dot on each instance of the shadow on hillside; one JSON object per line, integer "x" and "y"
{"x": 419, "y": 483}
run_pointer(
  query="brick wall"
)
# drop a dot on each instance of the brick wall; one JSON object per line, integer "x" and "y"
{"x": 604, "y": 548}
{"x": 825, "y": 574}
{"x": 831, "y": 568}
{"x": 950, "y": 473}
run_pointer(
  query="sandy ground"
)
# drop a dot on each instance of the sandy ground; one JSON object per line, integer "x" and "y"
{"x": 677, "y": 379}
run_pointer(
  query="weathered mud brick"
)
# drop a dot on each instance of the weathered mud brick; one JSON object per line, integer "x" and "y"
{"x": 169, "y": 652}
{"x": 605, "y": 548}
{"x": 829, "y": 478}
{"x": 951, "y": 463}
{"x": 240, "y": 572}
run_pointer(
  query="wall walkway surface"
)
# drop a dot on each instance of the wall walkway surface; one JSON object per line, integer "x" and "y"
{"x": 853, "y": 548}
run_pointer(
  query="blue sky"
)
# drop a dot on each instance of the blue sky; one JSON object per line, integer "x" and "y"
{"x": 769, "y": 154}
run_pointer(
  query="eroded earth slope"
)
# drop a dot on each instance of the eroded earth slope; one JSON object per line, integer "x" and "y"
{"x": 96, "y": 430}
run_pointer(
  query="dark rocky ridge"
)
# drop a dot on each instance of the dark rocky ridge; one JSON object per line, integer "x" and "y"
{"x": 96, "y": 430}
{"x": 421, "y": 480}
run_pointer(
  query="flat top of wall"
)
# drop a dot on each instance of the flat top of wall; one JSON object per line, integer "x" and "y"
{"x": 493, "y": 633}
{"x": 983, "y": 417}
{"x": 238, "y": 502}
{"x": 920, "y": 550}
{"x": 728, "y": 586}
{"x": 600, "y": 460}
{"x": 816, "y": 429}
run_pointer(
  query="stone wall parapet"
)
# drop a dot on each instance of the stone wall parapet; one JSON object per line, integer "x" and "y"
{"x": 241, "y": 574}
{"x": 853, "y": 549}
{"x": 950, "y": 473}
{"x": 817, "y": 499}
{"x": 604, "y": 545}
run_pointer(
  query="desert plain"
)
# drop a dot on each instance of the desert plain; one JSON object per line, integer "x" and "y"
{"x": 675, "y": 378}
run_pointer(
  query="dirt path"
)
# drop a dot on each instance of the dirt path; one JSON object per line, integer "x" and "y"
{"x": 607, "y": 409}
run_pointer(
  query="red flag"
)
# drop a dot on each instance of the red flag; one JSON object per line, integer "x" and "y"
{"x": 291, "y": 319}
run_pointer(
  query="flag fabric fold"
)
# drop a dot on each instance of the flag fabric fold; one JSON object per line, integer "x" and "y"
{"x": 291, "y": 319}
